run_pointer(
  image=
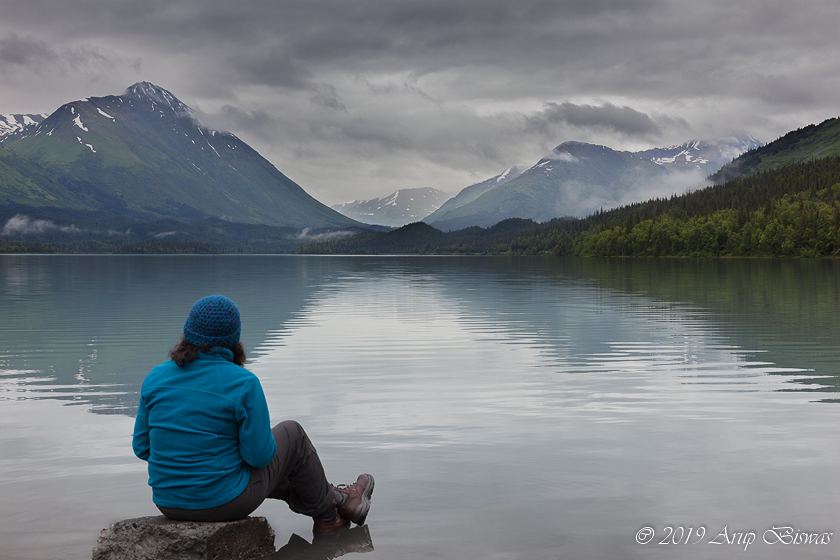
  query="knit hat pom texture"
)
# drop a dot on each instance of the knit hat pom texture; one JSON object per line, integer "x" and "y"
{"x": 213, "y": 321}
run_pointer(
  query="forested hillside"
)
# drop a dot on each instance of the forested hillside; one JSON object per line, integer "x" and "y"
{"x": 793, "y": 211}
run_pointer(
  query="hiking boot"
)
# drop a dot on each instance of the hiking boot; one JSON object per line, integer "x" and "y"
{"x": 321, "y": 527}
{"x": 357, "y": 501}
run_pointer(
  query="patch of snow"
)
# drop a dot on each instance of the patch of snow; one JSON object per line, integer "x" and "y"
{"x": 88, "y": 145}
{"x": 78, "y": 122}
{"x": 393, "y": 200}
{"x": 504, "y": 175}
{"x": 104, "y": 114}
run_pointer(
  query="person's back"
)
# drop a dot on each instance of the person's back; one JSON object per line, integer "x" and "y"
{"x": 207, "y": 423}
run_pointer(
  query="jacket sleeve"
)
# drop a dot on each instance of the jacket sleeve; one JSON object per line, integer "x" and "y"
{"x": 140, "y": 441}
{"x": 256, "y": 442}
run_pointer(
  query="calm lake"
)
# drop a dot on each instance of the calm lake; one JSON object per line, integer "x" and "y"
{"x": 508, "y": 407}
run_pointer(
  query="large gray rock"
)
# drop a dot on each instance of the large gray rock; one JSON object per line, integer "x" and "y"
{"x": 158, "y": 538}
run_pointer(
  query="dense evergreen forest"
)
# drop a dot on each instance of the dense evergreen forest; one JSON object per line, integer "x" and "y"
{"x": 793, "y": 211}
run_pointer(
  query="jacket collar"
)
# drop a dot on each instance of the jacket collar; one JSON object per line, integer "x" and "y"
{"x": 220, "y": 351}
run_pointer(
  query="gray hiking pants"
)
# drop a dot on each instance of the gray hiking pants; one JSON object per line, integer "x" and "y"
{"x": 295, "y": 475}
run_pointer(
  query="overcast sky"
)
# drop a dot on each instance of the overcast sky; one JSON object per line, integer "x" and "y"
{"x": 355, "y": 99}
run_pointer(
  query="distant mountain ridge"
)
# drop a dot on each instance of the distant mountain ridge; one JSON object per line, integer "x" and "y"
{"x": 706, "y": 156}
{"x": 145, "y": 153}
{"x": 398, "y": 209}
{"x": 577, "y": 178}
{"x": 474, "y": 191}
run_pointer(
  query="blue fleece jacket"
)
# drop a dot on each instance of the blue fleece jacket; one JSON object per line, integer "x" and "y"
{"x": 200, "y": 427}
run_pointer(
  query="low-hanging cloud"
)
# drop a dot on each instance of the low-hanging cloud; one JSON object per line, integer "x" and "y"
{"x": 306, "y": 235}
{"x": 24, "y": 225}
{"x": 562, "y": 156}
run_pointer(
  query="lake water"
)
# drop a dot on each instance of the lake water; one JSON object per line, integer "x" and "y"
{"x": 508, "y": 407}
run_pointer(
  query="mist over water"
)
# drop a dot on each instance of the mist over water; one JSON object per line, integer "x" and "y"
{"x": 508, "y": 408}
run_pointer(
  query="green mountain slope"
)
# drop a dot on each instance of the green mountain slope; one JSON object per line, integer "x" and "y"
{"x": 22, "y": 181}
{"x": 146, "y": 150}
{"x": 804, "y": 144}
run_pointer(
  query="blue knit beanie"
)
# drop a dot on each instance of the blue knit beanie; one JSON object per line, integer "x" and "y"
{"x": 213, "y": 321}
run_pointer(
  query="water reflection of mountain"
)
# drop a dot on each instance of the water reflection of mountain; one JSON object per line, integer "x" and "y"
{"x": 88, "y": 329}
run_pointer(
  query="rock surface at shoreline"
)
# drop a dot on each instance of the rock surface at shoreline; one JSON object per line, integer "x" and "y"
{"x": 158, "y": 538}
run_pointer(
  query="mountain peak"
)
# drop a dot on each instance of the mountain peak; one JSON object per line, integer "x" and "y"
{"x": 147, "y": 91}
{"x": 395, "y": 210}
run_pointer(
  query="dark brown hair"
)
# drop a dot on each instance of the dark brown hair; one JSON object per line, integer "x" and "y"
{"x": 186, "y": 352}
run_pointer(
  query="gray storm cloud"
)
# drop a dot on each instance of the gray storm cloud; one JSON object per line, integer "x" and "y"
{"x": 23, "y": 51}
{"x": 621, "y": 120}
{"x": 355, "y": 100}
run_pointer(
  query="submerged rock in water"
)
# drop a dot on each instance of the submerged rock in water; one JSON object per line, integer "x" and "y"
{"x": 158, "y": 538}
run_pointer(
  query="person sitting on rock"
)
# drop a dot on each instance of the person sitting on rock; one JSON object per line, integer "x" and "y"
{"x": 203, "y": 426}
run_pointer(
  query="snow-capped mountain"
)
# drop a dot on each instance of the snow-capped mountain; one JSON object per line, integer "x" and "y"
{"x": 145, "y": 152}
{"x": 17, "y": 124}
{"x": 705, "y": 156}
{"x": 398, "y": 209}
{"x": 576, "y": 179}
